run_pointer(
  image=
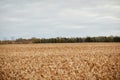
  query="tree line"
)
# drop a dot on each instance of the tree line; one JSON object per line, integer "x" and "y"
{"x": 62, "y": 40}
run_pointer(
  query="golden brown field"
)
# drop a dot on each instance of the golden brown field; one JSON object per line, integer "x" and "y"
{"x": 73, "y": 61}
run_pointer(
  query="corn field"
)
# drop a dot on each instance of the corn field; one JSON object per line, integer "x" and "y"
{"x": 60, "y": 61}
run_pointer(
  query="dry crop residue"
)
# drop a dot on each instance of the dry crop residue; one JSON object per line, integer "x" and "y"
{"x": 75, "y": 61}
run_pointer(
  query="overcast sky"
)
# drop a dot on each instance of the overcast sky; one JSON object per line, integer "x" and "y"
{"x": 59, "y": 18}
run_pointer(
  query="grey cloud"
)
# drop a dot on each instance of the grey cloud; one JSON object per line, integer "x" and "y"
{"x": 22, "y": 18}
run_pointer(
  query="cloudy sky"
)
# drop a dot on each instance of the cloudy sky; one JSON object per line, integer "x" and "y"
{"x": 59, "y": 18}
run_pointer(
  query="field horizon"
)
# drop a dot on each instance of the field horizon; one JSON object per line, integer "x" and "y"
{"x": 60, "y": 61}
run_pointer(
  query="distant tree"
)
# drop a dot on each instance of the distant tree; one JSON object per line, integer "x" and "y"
{"x": 62, "y": 40}
{"x": 21, "y": 41}
{"x": 88, "y": 39}
{"x": 116, "y": 39}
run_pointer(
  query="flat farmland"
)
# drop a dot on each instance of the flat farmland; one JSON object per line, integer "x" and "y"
{"x": 65, "y": 61}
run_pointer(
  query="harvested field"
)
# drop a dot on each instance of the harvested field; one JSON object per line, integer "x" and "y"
{"x": 70, "y": 61}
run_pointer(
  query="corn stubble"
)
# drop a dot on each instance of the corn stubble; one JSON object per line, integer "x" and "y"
{"x": 75, "y": 61}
